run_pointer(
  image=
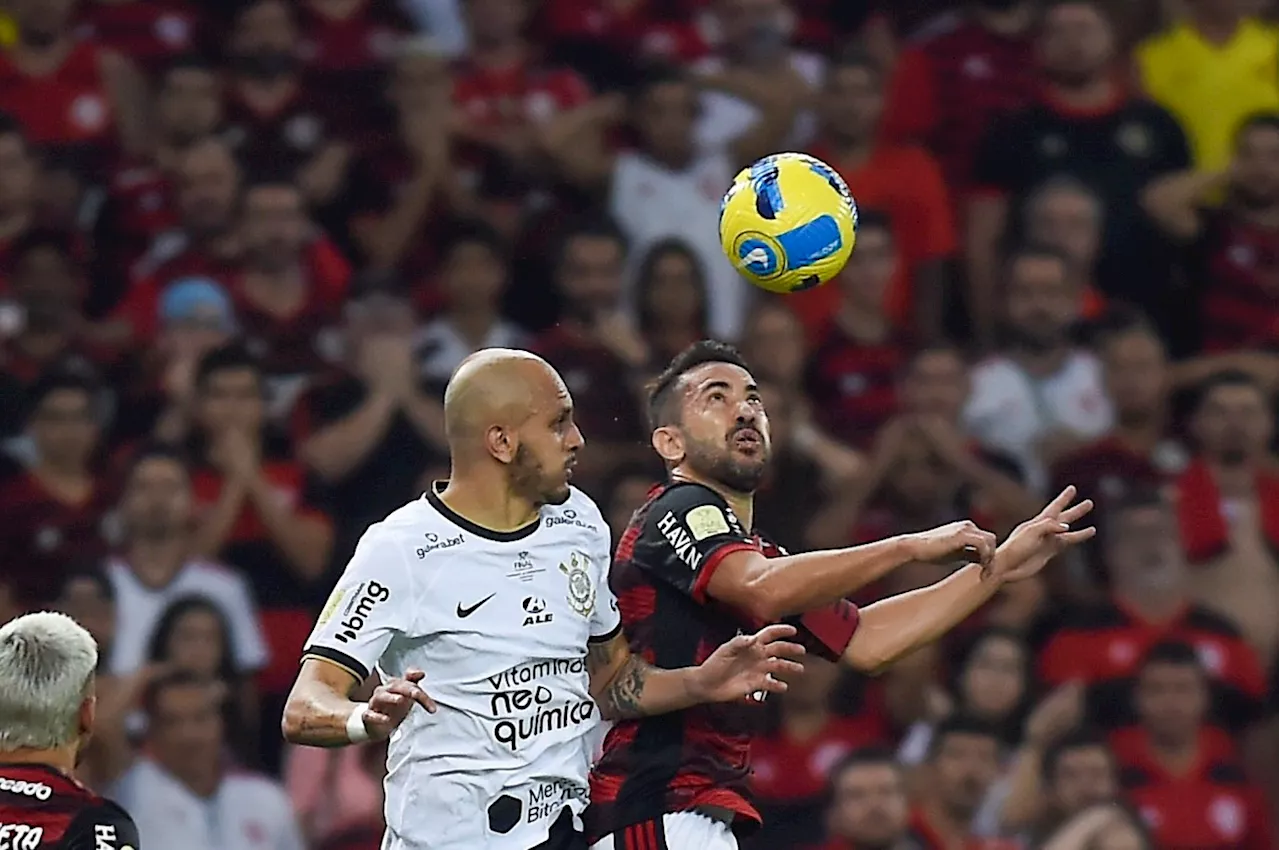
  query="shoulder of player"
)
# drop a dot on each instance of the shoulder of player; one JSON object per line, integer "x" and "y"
{"x": 683, "y": 495}
{"x": 103, "y": 825}
{"x": 693, "y": 504}
{"x": 584, "y": 505}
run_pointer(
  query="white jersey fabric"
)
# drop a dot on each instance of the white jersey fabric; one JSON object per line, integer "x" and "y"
{"x": 500, "y": 623}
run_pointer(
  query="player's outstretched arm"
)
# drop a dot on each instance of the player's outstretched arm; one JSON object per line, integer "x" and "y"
{"x": 625, "y": 686}
{"x": 773, "y": 588}
{"x": 894, "y": 627}
{"x": 321, "y": 713}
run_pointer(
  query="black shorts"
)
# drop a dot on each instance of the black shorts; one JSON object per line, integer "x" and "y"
{"x": 563, "y": 836}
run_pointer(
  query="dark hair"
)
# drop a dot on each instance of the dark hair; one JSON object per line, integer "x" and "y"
{"x": 189, "y": 61}
{"x": 662, "y": 389}
{"x": 60, "y": 242}
{"x": 227, "y": 358}
{"x": 473, "y": 232}
{"x": 958, "y": 723}
{"x": 176, "y": 679}
{"x": 1173, "y": 652}
{"x": 268, "y": 178}
{"x": 1226, "y": 378}
{"x": 92, "y": 574}
{"x": 1132, "y": 496}
{"x": 855, "y": 55}
{"x": 154, "y": 451}
{"x": 1076, "y": 739}
{"x": 673, "y": 246}
{"x": 874, "y": 219}
{"x": 870, "y": 756}
{"x": 654, "y": 74}
{"x": 598, "y": 225}
{"x": 157, "y": 648}
{"x": 11, "y": 126}
{"x": 1034, "y": 251}
{"x": 58, "y": 381}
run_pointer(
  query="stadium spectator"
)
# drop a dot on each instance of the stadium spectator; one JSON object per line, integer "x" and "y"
{"x": 1235, "y": 270}
{"x": 868, "y": 808}
{"x": 753, "y": 62}
{"x": 276, "y": 121}
{"x": 54, "y": 508}
{"x": 1211, "y": 70}
{"x": 1103, "y": 646}
{"x": 167, "y": 790}
{"x": 1227, "y": 511}
{"x": 1041, "y": 396}
{"x": 206, "y": 243}
{"x": 155, "y": 567}
{"x": 963, "y": 765}
{"x": 410, "y": 177}
{"x": 790, "y": 765}
{"x": 18, "y": 170}
{"x": 474, "y": 274}
{"x": 70, "y": 93}
{"x": 288, "y": 289}
{"x": 855, "y": 366}
{"x": 625, "y": 491}
{"x": 901, "y": 181}
{"x": 337, "y": 794}
{"x": 671, "y": 298}
{"x": 967, "y": 69}
{"x": 370, "y": 429}
{"x": 1182, "y": 774}
{"x": 1086, "y": 125}
{"x": 671, "y": 184}
{"x": 1064, "y": 214}
{"x": 595, "y": 346}
{"x": 150, "y": 33}
{"x": 1079, "y": 772}
{"x": 346, "y": 44}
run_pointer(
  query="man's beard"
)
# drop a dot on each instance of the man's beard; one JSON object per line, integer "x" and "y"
{"x": 719, "y": 464}
{"x": 38, "y": 38}
{"x": 266, "y": 65}
{"x": 528, "y": 478}
{"x": 1036, "y": 341}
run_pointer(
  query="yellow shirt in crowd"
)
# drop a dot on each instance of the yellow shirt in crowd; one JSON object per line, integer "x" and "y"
{"x": 1212, "y": 88}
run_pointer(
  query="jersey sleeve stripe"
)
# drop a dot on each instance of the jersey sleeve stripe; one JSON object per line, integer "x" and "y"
{"x": 699, "y": 590}
{"x": 607, "y": 636}
{"x": 341, "y": 659}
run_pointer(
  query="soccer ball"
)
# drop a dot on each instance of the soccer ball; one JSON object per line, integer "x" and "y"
{"x": 788, "y": 222}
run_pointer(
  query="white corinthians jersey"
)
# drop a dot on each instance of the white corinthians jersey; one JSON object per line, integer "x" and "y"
{"x": 500, "y": 624}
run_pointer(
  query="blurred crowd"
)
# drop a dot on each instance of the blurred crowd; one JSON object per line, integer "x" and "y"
{"x": 244, "y": 244}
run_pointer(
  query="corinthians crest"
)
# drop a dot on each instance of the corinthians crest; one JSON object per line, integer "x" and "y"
{"x": 582, "y": 591}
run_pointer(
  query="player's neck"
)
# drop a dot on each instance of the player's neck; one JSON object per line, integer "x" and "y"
{"x": 156, "y": 561}
{"x": 62, "y": 759}
{"x": 1143, "y": 433}
{"x": 489, "y": 504}
{"x": 743, "y": 504}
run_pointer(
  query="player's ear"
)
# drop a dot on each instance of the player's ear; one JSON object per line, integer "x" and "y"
{"x": 501, "y": 443}
{"x": 87, "y": 717}
{"x": 668, "y": 442}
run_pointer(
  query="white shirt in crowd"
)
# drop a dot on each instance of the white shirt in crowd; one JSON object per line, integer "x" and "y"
{"x": 441, "y": 348}
{"x": 248, "y": 812}
{"x": 651, "y": 202}
{"x": 724, "y": 117}
{"x": 1012, "y": 411}
{"x": 500, "y": 623}
{"x": 139, "y": 608}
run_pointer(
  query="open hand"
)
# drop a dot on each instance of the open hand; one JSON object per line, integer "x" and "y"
{"x": 953, "y": 542}
{"x": 392, "y": 701}
{"x": 1034, "y": 543}
{"x": 749, "y": 664}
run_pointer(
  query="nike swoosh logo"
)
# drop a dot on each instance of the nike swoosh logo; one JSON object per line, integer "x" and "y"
{"x": 467, "y": 612}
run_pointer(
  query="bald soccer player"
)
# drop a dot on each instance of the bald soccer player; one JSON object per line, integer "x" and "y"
{"x": 492, "y": 586}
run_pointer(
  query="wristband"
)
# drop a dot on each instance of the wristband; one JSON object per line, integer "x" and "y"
{"x": 357, "y": 733}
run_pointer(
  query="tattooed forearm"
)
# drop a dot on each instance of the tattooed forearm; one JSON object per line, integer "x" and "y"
{"x": 621, "y": 700}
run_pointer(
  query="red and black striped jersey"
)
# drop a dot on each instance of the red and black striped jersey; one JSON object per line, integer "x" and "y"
{"x": 42, "y": 808}
{"x": 697, "y": 759}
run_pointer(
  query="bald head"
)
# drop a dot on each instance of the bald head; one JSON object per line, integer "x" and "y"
{"x": 496, "y": 386}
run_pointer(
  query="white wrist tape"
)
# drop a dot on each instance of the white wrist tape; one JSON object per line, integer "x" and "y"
{"x": 356, "y": 731}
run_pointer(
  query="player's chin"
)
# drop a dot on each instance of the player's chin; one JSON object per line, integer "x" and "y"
{"x": 557, "y": 495}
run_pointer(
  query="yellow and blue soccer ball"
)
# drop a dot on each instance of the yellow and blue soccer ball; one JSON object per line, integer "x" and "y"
{"x": 788, "y": 222}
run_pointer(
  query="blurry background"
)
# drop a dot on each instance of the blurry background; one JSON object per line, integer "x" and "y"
{"x": 243, "y": 245}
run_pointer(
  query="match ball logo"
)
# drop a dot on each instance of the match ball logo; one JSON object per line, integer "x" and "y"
{"x": 582, "y": 591}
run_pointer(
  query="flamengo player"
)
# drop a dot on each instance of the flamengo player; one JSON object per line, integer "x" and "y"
{"x": 689, "y": 573}
{"x": 497, "y": 585}
{"x": 46, "y": 712}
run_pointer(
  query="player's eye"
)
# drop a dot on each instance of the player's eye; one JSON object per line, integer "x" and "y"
{"x": 755, "y": 400}
{"x": 716, "y": 396}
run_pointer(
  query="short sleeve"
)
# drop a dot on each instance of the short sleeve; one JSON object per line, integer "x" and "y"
{"x": 105, "y": 825}
{"x": 606, "y": 622}
{"x": 689, "y": 530}
{"x": 369, "y": 606}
